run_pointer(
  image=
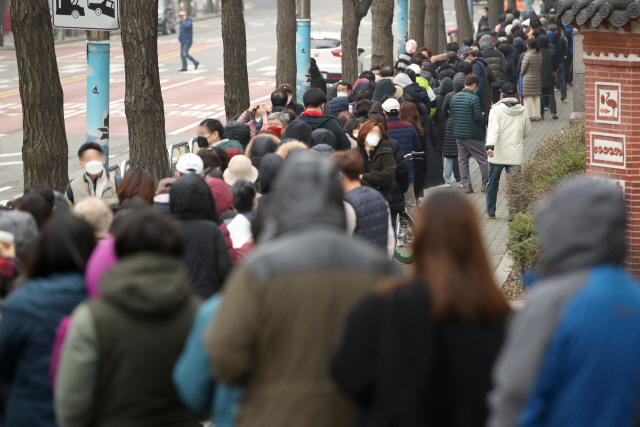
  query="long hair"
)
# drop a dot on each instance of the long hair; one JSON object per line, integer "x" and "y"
{"x": 409, "y": 114}
{"x": 450, "y": 257}
{"x": 137, "y": 182}
{"x": 368, "y": 127}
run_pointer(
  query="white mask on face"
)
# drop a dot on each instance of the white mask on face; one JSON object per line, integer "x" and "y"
{"x": 373, "y": 139}
{"x": 355, "y": 134}
{"x": 342, "y": 94}
{"x": 94, "y": 167}
{"x": 289, "y": 100}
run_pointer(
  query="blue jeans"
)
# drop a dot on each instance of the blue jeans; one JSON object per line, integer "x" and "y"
{"x": 450, "y": 166}
{"x": 494, "y": 183}
{"x": 184, "y": 55}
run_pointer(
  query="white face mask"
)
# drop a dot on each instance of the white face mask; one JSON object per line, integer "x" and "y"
{"x": 94, "y": 167}
{"x": 342, "y": 94}
{"x": 289, "y": 100}
{"x": 355, "y": 134}
{"x": 373, "y": 139}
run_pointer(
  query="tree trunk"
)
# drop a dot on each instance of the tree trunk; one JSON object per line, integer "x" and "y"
{"x": 496, "y": 8}
{"x": 143, "y": 103}
{"x": 465, "y": 28}
{"x": 44, "y": 141}
{"x": 2, "y": 30}
{"x": 286, "y": 38}
{"x": 234, "y": 42}
{"x": 352, "y": 13}
{"x": 382, "y": 33}
{"x": 513, "y": 5}
{"x": 416, "y": 21}
{"x": 435, "y": 35}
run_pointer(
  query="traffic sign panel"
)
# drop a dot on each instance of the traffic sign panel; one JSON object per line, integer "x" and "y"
{"x": 86, "y": 14}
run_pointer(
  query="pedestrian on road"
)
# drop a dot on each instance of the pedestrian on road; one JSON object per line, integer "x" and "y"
{"x": 186, "y": 39}
{"x": 95, "y": 181}
{"x": 508, "y": 127}
{"x": 466, "y": 113}
{"x": 260, "y": 337}
{"x": 571, "y": 354}
{"x": 531, "y": 79}
{"x": 419, "y": 351}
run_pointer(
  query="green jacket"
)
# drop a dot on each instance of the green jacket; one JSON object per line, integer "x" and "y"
{"x": 466, "y": 112}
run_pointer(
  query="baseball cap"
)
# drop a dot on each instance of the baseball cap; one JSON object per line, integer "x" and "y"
{"x": 190, "y": 163}
{"x": 415, "y": 68}
{"x": 508, "y": 89}
{"x": 390, "y": 105}
{"x": 285, "y": 87}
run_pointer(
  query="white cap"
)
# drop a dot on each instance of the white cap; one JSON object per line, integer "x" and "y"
{"x": 6, "y": 237}
{"x": 390, "y": 105}
{"x": 190, "y": 163}
{"x": 415, "y": 68}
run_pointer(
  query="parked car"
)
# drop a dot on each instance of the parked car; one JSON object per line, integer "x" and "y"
{"x": 326, "y": 48}
{"x": 167, "y": 20}
{"x": 108, "y": 7}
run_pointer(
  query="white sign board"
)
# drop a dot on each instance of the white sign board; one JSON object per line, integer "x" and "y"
{"x": 86, "y": 14}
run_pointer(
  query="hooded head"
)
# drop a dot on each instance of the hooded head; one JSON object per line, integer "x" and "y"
{"x": 21, "y": 224}
{"x": 269, "y": 168}
{"x": 581, "y": 225}
{"x": 509, "y": 18}
{"x": 485, "y": 42}
{"x": 543, "y": 42}
{"x": 260, "y": 146}
{"x": 446, "y": 86}
{"x": 323, "y": 136}
{"x": 299, "y": 130}
{"x": 238, "y": 131}
{"x": 458, "y": 82}
{"x": 383, "y": 87}
{"x": 411, "y": 47}
{"x": 190, "y": 198}
{"x": 402, "y": 80}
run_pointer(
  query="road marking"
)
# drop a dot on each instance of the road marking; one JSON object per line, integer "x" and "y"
{"x": 10, "y": 154}
{"x": 5, "y": 189}
{"x": 258, "y": 60}
{"x": 10, "y": 163}
{"x": 330, "y": 17}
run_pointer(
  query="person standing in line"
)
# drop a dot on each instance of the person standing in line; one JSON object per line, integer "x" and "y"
{"x": 466, "y": 113}
{"x": 548, "y": 96}
{"x": 532, "y": 79}
{"x": 508, "y": 127}
{"x": 560, "y": 53}
{"x": 186, "y": 39}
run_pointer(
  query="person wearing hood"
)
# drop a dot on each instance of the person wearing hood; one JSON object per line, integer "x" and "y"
{"x": 297, "y": 130}
{"x": 206, "y": 254}
{"x": 547, "y": 82}
{"x": 31, "y": 314}
{"x": 96, "y": 181}
{"x": 497, "y": 62}
{"x": 446, "y": 87}
{"x": 341, "y": 102}
{"x": 259, "y": 146}
{"x": 384, "y": 87}
{"x": 407, "y": 81}
{"x": 508, "y": 127}
{"x": 238, "y": 131}
{"x": 269, "y": 168}
{"x": 314, "y": 103}
{"x": 120, "y": 351}
{"x": 571, "y": 354}
{"x": 404, "y": 58}
{"x": 260, "y": 337}
{"x": 323, "y": 137}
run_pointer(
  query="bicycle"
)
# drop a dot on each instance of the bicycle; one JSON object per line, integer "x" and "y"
{"x": 405, "y": 223}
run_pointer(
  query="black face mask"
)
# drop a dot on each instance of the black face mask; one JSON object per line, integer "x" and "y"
{"x": 202, "y": 142}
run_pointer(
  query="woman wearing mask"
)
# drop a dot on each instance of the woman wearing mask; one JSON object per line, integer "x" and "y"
{"x": 351, "y": 128}
{"x": 30, "y": 315}
{"x": 379, "y": 164}
{"x": 419, "y": 351}
{"x": 531, "y": 79}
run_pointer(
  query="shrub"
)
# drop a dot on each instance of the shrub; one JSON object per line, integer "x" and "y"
{"x": 523, "y": 242}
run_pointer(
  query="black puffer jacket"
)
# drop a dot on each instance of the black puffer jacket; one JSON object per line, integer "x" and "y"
{"x": 401, "y": 182}
{"x": 323, "y": 136}
{"x": 238, "y": 131}
{"x": 450, "y": 148}
{"x": 269, "y": 168}
{"x": 446, "y": 87}
{"x": 206, "y": 254}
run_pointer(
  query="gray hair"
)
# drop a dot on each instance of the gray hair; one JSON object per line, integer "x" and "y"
{"x": 283, "y": 117}
{"x": 97, "y": 213}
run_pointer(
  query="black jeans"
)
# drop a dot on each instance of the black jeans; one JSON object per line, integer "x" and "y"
{"x": 548, "y": 97}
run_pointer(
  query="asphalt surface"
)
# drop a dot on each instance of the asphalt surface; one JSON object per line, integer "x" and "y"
{"x": 189, "y": 97}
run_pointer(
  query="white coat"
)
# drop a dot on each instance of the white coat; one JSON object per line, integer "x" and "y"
{"x": 508, "y": 127}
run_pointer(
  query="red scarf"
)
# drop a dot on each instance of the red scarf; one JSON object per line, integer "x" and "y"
{"x": 312, "y": 113}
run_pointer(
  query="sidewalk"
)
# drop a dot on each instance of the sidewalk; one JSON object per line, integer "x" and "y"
{"x": 496, "y": 231}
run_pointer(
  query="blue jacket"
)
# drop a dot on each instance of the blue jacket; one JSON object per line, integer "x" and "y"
{"x": 407, "y": 138}
{"x": 339, "y": 104}
{"x": 193, "y": 377}
{"x": 30, "y": 316}
{"x": 480, "y": 70}
{"x": 186, "y": 31}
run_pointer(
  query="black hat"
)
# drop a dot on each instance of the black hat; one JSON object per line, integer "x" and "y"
{"x": 508, "y": 89}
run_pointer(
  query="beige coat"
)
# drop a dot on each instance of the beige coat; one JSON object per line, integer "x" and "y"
{"x": 531, "y": 80}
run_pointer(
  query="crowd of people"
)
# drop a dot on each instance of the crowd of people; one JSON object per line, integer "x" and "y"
{"x": 255, "y": 286}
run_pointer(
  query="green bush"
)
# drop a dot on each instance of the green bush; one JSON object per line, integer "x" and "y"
{"x": 560, "y": 156}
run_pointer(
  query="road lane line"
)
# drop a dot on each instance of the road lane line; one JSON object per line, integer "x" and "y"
{"x": 10, "y": 155}
{"x": 5, "y": 189}
{"x": 10, "y": 163}
{"x": 258, "y": 60}
{"x": 330, "y": 17}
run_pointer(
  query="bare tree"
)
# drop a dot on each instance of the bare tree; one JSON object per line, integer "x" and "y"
{"x": 234, "y": 41}
{"x": 435, "y": 35}
{"x": 465, "y": 28}
{"x": 382, "y": 33}
{"x": 496, "y": 8}
{"x": 143, "y": 104}
{"x": 416, "y": 21}
{"x": 44, "y": 141}
{"x": 352, "y": 13}
{"x": 286, "y": 37}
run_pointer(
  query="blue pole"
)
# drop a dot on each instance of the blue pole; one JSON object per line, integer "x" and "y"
{"x": 303, "y": 56}
{"x": 527, "y": 4}
{"x": 403, "y": 25}
{"x": 98, "y": 50}
{"x": 470, "y": 6}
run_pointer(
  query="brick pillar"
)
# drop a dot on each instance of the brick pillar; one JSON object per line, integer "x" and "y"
{"x": 578, "y": 76}
{"x": 612, "y": 91}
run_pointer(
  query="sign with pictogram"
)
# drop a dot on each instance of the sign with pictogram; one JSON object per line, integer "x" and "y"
{"x": 608, "y": 150}
{"x": 86, "y": 14}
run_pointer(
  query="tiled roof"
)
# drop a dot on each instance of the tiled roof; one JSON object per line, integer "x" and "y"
{"x": 616, "y": 12}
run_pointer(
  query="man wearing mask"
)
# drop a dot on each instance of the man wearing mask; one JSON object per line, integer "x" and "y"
{"x": 186, "y": 39}
{"x": 291, "y": 105}
{"x": 314, "y": 102}
{"x": 95, "y": 181}
{"x": 341, "y": 102}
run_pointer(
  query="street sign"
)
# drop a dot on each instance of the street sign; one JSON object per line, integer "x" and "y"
{"x": 86, "y": 14}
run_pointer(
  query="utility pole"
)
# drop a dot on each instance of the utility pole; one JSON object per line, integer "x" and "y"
{"x": 98, "y": 62}
{"x": 303, "y": 46}
{"x": 403, "y": 25}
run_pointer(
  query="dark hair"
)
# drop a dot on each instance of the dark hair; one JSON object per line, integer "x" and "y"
{"x": 379, "y": 118}
{"x": 553, "y": 28}
{"x": 350, "y": 163}
{"x": 63, "y": 246}
{"x": 465, "y": 67}
{"x": 468, "y": 41}
{"x": 504, "y": 49}
{"x": 314, "y": 97}
{"x": 224, "y": 157}
{"x": 244, "y": 194}
{"x": 137, "y": 182}
{"x": 351, "y": 125}
{"x": 377, "y": 108}
{"x": 314, "y": 71}
{"x": 37, "y": 206}
{"x": 471, "y": 79}
{"x": 214, "y": 126}
{"x": 375, "y": 67}
{"x": 344, "y": 83}
{"x": 386, "y": 72}
{"x": 362, "y": 108}
{"x": 452, "y": 47}
{"x": 290, "y": 113}
{"x": 415, "y": 60}
{"x": 43, "y": 190}
{"x": 149, "y": 231}
{"x": 477, "y": 53}
{"x": 132, "y": 206}
{"x": 344, "y": 117}
{"x": 533, "y": 44}
{"x": 456, "y": 270}
{"x": 364, "y": 94}
{"x": 502, "y": 17}
{"x": 406, "y": 98}
{"x": 279, "y": 98}
{"x": 89, "y": 146}
{"x": 211, "y": 162}
{"x": 543, "y": 42}
{"x": 447, "y": 73}
{"x": 366, "y": 74}
{"x": 411, "y": 74}
{"x": 409, "y": 113}
{"x": 368, "y": 127}
{"x": 452, "y": 57}
{"x": 534, "y": 22}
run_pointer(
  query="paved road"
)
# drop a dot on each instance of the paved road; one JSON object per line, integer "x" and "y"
{"x": 188, "y": 97}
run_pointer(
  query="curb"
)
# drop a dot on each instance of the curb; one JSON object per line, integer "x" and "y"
{"x": 501, "y": 274}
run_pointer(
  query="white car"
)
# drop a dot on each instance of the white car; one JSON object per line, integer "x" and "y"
{"x": 326, "y": 49}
